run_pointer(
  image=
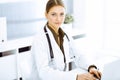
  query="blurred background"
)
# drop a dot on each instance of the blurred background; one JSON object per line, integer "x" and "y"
{"x": 98, "y": 19}
{"x": 96, "y": 25}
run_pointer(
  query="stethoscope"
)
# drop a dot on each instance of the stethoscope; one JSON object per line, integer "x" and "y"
{"x": 51, "y": 50}
{"x": 49, "y": 43}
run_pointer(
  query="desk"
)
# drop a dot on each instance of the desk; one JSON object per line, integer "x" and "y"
{"x": 10, "y": 64}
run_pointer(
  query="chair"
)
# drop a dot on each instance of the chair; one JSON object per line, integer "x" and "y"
{"x": 27, "y": 67}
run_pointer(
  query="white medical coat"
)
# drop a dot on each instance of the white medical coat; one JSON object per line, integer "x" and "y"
{"x": 54, "y": 70}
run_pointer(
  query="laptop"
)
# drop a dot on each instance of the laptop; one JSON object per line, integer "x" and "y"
{"x": 111, "y": 71}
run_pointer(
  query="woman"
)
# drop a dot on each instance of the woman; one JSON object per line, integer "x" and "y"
{"x": 53, "y": 49}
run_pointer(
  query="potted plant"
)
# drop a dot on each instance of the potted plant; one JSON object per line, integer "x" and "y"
{"x": 68, "y": 22}
{"x": 68, "y": 19}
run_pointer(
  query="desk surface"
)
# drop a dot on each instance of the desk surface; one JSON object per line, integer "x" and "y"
{"x": 16, "y": 43}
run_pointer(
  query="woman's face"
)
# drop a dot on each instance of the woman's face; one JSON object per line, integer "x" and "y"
{"x": 56, "y": 16}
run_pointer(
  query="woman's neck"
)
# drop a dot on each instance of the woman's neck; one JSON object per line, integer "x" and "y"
{"x": 54, "y": 28}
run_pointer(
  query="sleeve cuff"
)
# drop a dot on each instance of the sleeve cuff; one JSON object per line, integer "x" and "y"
{"x": 91, "y": 66}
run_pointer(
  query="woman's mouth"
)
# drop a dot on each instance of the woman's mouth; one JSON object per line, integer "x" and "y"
{"x": 58, "y": 23}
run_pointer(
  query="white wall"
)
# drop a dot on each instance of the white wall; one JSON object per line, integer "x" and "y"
{"x": 79, "y": 13}
{"x": 94, "y": 23}
{"x": 112, "y": 26}
{"x": 102, "y": 24}
{"x": 4, "y": 1}
{"x": 23, "y": 16}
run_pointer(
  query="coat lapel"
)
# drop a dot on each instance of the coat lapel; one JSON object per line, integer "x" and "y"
{"x": 58, "y": 55}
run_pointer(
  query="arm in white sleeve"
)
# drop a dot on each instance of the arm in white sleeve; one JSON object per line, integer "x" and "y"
{"x": 81, "y": 60}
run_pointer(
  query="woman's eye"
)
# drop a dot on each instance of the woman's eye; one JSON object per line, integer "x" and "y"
{"x": 62, "y": 14}
{"x": 53, "y": 14}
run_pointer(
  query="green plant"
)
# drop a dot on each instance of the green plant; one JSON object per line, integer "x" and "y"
{"x": 68, "y": 19}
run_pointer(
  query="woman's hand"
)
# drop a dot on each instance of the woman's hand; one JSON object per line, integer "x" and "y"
{"x": 96, "y": 73}
{"x": 86, "y": 76}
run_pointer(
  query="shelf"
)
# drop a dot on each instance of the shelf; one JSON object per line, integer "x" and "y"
{"x": 16, "y": 43}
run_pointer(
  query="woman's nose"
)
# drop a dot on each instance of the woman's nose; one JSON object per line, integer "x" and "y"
{"x": 58, "y": 18}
